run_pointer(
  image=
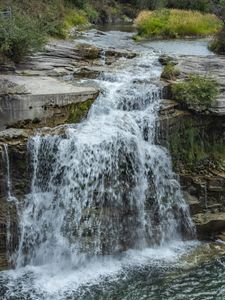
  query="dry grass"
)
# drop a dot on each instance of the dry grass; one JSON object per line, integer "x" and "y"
{"x": 176, "y": 23}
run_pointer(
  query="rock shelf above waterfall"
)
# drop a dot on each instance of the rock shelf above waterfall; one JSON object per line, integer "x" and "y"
{"x": 212, "y": 66}
{"x": 42, "y": 98}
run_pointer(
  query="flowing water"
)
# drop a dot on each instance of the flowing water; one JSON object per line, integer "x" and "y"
{"x": 105, "y": 218}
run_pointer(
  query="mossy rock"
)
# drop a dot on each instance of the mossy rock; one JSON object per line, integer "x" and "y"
{"x": 89, "y": 52}
{"x": 79, "y": 111}
{"x": 170, "y": 72}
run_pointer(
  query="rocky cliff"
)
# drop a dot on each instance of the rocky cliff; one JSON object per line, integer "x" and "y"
{"x": 197, "y": 145}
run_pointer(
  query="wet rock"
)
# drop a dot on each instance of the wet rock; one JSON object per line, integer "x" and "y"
{"x": 89, "y": 51}
{"x": 14, "y": 135}
{"x": 216, "y": 184}
{"x": 194, "y": 203}
{"x": 166, "y": 59}
{"x": 221, "y": 236}
{"x": 118, "y": 54}
{"x": 208, "y": 225}
{"x": 87, "y": 72}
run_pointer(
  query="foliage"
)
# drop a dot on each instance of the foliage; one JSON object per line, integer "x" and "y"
{"x": 175, "y": 23}
{"x": 19, "y": 35}
{"x": 196, "y": 92}
{"x": 218, "y": 43}
{"x": 201, "y": 5}
{"x": 170, "y": 72}
{"x": 194, "y": 145}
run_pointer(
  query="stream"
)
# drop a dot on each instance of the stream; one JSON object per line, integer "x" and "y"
{"x": 106, "y": 218}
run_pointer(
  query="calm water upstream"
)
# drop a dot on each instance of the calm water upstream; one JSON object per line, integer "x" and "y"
{"x": 105, "y": 215}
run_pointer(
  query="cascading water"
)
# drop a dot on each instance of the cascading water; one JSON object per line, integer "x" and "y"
{"x": 104, "y": 186}
{"x": 100, "y": 188}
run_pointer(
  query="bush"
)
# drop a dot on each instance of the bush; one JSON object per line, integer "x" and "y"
{"x": 57, "y": 19}
{"x": 170, "y": 72}
{"x": 18, "y": 36}
{"x": 196, "y": 92}
{"x": 175, "y": 23}
{"x": 218, "y": 43}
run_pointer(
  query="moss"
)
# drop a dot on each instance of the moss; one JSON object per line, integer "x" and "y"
{"x": 194, "y": 146}
{"x": 79, "y": 110}
{"x": 197, "y": 92}
{"x": 170, "y": 72}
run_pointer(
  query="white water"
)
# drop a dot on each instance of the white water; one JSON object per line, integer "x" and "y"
{"x": 102, "y": 187}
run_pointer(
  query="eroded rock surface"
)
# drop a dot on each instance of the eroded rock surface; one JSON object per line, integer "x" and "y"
{"x": 197, "y": 146}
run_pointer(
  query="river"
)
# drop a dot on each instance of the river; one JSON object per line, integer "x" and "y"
{"x": 105, "y": 216}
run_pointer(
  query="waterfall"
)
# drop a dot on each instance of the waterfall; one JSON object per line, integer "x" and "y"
{"x": 104, "y": 186}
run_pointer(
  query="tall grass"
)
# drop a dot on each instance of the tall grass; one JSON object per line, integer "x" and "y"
{"x": 174, "y": 23}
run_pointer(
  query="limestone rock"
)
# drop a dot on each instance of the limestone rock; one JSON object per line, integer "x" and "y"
{"x": 166, "y": 59}
{"x": 89, "y": 51}
{"x": 6, "y": 65}
{"x": 209, "y": 224}
{"x": 194, "y": 203}
{"x": 9, "y": 87}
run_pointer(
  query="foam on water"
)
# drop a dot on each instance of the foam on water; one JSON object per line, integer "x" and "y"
{"x": 54, "y": 282}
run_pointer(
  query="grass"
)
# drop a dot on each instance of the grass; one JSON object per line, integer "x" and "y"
{"x": 33, "y": 21}
{"x": 170, "y": 72}
{"x": 54, "y": 17}
{"x": 197, "y": 92}
{"x": 174, "y": 23}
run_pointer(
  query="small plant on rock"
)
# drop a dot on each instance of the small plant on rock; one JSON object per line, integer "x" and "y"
{"x": 197, "y": 92}
{"x": 170, "y": 72}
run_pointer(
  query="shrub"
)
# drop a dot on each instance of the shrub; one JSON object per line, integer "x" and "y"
{"x": 19, "y": 35}
{"x": 170, "y": 72}
{"x": 218, "y": 43}
{"x": 175, "y": 23}
{"x": 58, "y": 18}
{"x": 196, "y": 92}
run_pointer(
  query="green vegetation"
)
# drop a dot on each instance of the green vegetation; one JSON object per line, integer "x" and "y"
{"x": 196, "y": 92}
{"x": 218, "y": 43}
{"x": 79, "y": 111}
{"x": 170, "y": 72}
{"x": 18, "y": 36}
{"x": 37, "y": 20}
{"x": 175, "y": 23}
{"x": 33, "y": 21}
{"x": 201, "y": 5}
{"x": 193, "y": 148}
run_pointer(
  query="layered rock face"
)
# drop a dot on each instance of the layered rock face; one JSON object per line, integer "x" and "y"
{"x": 197, "y": 146}
{"x": 14, "y": 184}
